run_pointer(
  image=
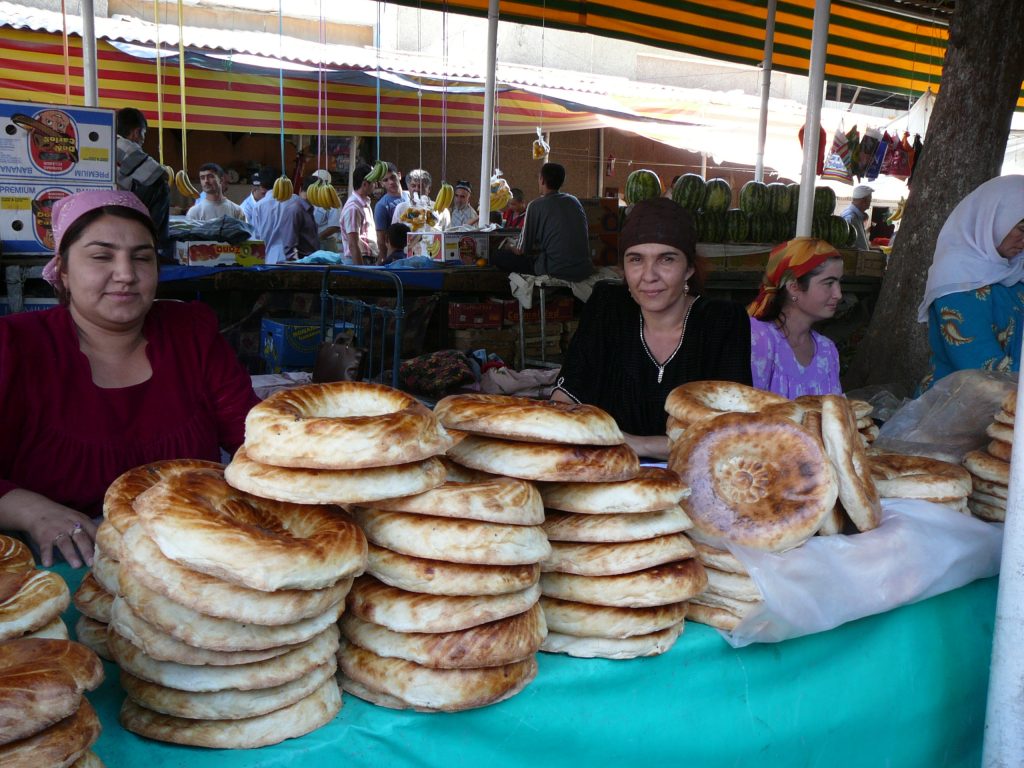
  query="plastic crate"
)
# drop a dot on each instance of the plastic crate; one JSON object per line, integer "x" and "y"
{"x": 291, "y": 342}
{"x": 482, "y": 314}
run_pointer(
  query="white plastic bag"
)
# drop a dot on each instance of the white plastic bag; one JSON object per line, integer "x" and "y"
{"x": 920, "y": 550}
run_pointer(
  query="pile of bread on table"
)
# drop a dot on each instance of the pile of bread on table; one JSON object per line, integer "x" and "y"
{"x": 420, "y": 560}
{"x": 45, "y": 720}
{"x": 989, "y": 467}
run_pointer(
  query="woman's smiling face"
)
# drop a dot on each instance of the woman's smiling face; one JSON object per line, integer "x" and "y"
{"x": 656, "y": 275}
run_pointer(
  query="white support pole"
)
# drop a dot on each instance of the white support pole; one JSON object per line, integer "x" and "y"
{"x": 488, "y": 137}
{"x": 600, "y": 162}
{"x": 1004, "y": 736}
{"x": 766, "y": 86}
{"x": 812, "y": 125}
{"x": 89, "y": 71}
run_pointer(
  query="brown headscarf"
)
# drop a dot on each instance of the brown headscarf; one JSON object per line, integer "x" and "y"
{"x": 659, "y": 220}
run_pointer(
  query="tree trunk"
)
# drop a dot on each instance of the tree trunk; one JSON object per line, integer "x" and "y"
{"x": 966, "y": 142}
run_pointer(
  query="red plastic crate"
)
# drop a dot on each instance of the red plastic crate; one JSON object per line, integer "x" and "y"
{"x": 483, "y": 314}
{"x": 558, "y": 309}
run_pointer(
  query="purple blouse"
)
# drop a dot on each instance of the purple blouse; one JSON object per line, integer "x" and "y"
{"x": 774, "y": 367}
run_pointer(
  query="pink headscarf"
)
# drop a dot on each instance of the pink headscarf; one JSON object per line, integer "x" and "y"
{"x": 70, "y": 209}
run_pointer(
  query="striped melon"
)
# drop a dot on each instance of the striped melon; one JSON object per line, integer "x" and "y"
{"x": 839, "y": 231}
{"x": 688, "y": 191}
{"x": 737, "y": 225}
{"x": 711, "y": 227}
{"x": 718, "y": 196}
{"x": 779, "y": 199}
{"x": 824, "y": 201}
{"x": 642, "y": 184}
{"x": 761, "y": 228}
{"x": 754, "y": 197}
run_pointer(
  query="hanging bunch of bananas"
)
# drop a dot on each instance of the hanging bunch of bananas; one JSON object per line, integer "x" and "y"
{"x": 501, "y": 193}
{"x": 540, "y": 146}
{"x": 184, "y": 185}
{"x": 444, "y": 197}
{"x": 170, "y": 174}
{"x": 323, "y": 195}
{"x": 379, "y": 171}
{"x": 283, "y": 189}
{"x": 898, "y": 213}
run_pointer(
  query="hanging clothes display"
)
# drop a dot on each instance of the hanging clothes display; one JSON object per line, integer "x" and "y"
{"x": 822, "y": 138}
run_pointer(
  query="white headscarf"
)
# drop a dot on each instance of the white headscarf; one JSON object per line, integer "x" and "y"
{"x": 965, "y": 253}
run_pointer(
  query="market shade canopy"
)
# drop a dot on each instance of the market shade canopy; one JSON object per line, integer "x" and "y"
{"x": 866, "y": 46}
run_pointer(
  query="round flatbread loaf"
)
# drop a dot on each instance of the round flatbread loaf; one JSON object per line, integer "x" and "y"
{"x": 613, "y": 648}
{"x": 1010, "y": 402}
{"x": 41, "y": 683}
{"x": 29, "y": 600}
{"x": 918, "y": 477}
{"x": 542, "y": 461}
{"x": 194, "y": 628}
{"x": 201, "y": 522}
{"x": 615, "y": 528}
{"x": 58, "y": 745}
{"x": 117, "y": 501}
{"x": 445, "y": 690}
{"x": 487, "y": 645}
{"x": 987, "y": 467}
{"x": 734, "y": 605}
{"x": 992, "y": 489}
{"x": 298, "y": 719}
{"x": 55, "y": 630}
{"x": 652, "y": 489}
{"x": 586, "y": 620}
{"x": 834, "y": 522}
{"x": 986, "y": 512}
{"x": 15, "y": 556}
{"x": 88, "y": 760}
{"x": 108, "y": 540}
{"x": 735, "y": 585}
{"x": 436, "y": 577}
{"x": 519, "y": 418}
{"x": 857, "y": 489}
{"x": 401, "y": 611}
{"x": 985, "y": 498}
{"x": 160, "y": 646}
{"x": 1004, "y": 418}
{"x": 342, "y": 425}
{"x": 862, "y": 409}
{"x": 998, "y": 431}
{"x": 661, "y": 585}
{"x": 225, "y": 705}
{"x": 106, "y": 571}
{"x": 215, "y": 597}
{"x": 758, "y": 480}
{"x": 454, "y": 539}
{"x": 332, "y": 486}
{"x": 92, "y": 600}
{"x": 614, "y": 559}
{"x": 93, "y": 635}
{"x": 1001, "y": 450}
{"x": 491, "y": 499}
{"x": 697, "y": 400}
{"x": 719, "y": 618}
{"x": 675, "y": 428}
{"x": 246, "y": 677}
{"x": 721, "y": 559}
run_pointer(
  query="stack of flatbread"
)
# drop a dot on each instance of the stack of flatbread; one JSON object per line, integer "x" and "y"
{"x": 900, "y": 476}
{"x": 447, "y": 617}
{"x": 769, "y": 478}
{"x": 44, "y": 718}
{"x": 224, "y": 624}
{"x": 990, "y": 468}
{"x": 621, "y": 568}
{"x": 31, "y": 601}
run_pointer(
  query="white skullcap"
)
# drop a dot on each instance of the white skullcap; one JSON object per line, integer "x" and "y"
{"x": 861, "y": 191}
{"x": 323, "y": 175}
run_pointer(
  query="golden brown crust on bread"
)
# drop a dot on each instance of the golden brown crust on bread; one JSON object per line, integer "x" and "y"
{"x": 58, "y": 745}
{"x": 437, "y": 577}
{"x": 987, "y": 467}
{"x": 1010, "y": 402}
{"x": 518, "y": 418}
{"x": 552, "y": 462}
{"x": 698, "y": 400}
{"x": 93, "y": 635}
{"x": 615, "y": 528}
{"x": 661, "y": 585}
{"x": 108, "y": 540}
{"x": 454, "y": 539}
{"x": 401, "y": 611}
{"x": 713, "y": 616}
{"x": 105, "y": 570}
{"x": 738, "y": 586}
{"x": 92, "y": 600}
{"x": 587, "y": 620}
{"x": 15, "y": 556}
{"x": 305, "y": 715}
{"x": 201, "y": 522}
{"x": 117, "y": 502}
{"x": 722, "y": 559}
{"x": 332, "y": 486}
{"x": 651, "y": 489}
{"x": 999, "y": 431}
{"x": 1001, "y": 449}
{"x": 30, "y": 600}
{"x": 758, "y": 480}
{"x": 857, "y": 488}
{"x": 88, "y": 760}
{"x": 918, "y": 477}
{"x": 342, "y": 425}
{"x": 633, "y": 647}
{"x": 487, "y": 645}
{"x": 588, "y": 559}
{"x": 986, "y": 512}
{"x": 492, "y": 499}
{"x": 446, "y": 690}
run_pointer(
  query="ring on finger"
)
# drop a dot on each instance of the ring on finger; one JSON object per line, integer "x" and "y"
{"x": 76, "y": 529}
{"x": 59, "y": 536}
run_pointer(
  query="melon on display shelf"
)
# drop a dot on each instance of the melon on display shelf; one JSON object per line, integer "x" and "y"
{"x": 642, "y": 184}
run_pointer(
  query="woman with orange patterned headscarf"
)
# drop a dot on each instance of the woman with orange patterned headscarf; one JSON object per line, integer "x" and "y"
{"x": 800, "y": 287}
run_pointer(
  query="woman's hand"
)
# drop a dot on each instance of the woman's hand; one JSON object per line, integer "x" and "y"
{"x": 648, "y": 446}
{"x": 51, "y": 526}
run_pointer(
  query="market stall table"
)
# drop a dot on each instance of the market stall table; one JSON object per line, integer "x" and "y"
{"x": 904, "y": 688}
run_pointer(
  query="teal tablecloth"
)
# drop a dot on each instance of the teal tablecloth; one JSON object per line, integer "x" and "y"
{"x": 905, "y": 688}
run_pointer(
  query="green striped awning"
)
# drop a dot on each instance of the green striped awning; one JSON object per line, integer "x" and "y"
{"x": 866, "y": 46}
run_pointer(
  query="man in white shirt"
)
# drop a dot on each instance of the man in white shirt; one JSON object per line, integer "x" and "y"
{"x": 358, "y": 236}
{"x": 856, "y": 213}
{"x": 213, "y": 205}
{"x": 257, "y": 193}
{"x": 463, "y": 213}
